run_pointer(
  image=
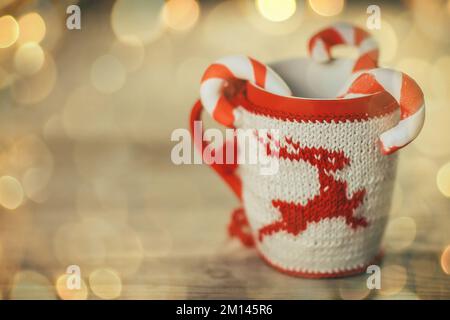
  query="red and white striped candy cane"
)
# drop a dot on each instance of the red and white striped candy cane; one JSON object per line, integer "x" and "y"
{"x": 344, "y": 33}
{"x": 232, "y": 68}
{"x": 408, "y": 95}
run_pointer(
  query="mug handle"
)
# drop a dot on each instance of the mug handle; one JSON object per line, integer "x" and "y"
{"x": 320, "y": 44}
{"x": 227, "y": 171}
{"x": 238, "y": 226}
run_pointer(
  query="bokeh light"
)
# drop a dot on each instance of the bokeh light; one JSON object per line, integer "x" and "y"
{"x": 82, "y": 243}
{"x": 137, "y": 19}
{"x": 101, "y": 200}
{"x": 108, "y": 74}
{"x": 6, "y": 78}
{"x": 11, "y": 192}
{"x": 130, "y": 53}
{"x": 431, "y": 19}
{"x": 66, "y": 293}
{"x": 443, "y": 179}
{"x": 181, "y": 15}
{"x": 445, "y": 260}
{"x": 440, "y": 77}
{"x": 53, "y": 21}
{"x": 36, "y": 87}
{"x": 393, "y": 279}
{"x": 270, "y": 27}
{"x": 9, "y": 31}
{"x": 105, "y": 283}
{"x": 28, "y": 284}
{"x": 276, "y": 10}
{"x": 32, "y": 28}
{"x": 29, "y": 58}
{"x": 85, "y": 113}
{"x": 327, "y": 7}
{"x": 34, "y": 159}
{"x": 427, "y": 142}
{"x": 387, "y": 40}
{"x": 354, "y": 290}
{"x": 400, "y": 233}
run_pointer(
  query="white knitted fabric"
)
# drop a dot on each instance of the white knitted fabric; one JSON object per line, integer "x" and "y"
{"x": 329, "y": 245}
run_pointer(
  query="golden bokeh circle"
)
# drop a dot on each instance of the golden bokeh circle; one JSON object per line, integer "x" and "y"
{"x": 253, "y": 15}
{"x": 6, "y": 78}
{"x": 66, "y": 293}
{"x": 443, "y": 179}
{"x": 11, "y": 192}
{"x": 105, "y": 283}
{"x": 36, "y": 87}
{"x": 34, "y": 159}
{"x": 108, "y": 74}
{"x": 355, "y": 289}
{"x": 400, "y": 233}
{"x": 440, "y": 77}
{"x": 130, "y": 53}
{"x": 327, "y": 7}
{"x": 32, "y": 28}
{"x": 29, "y": 58}
{"x": 387, "y": 40}
{"x": 137, "y": 19}
{"x": 9, "y": 31}
{"x": 35, "y": 180}
{"x": 276, "y": 10}
{"x": 393, "y": 279}
{"x": 30, "y": 284}
{"x": 87, "y": 114}
{"x": 427, "y": 142}
{"x": 445, "y": 260}
{"x": 181, "y": 15}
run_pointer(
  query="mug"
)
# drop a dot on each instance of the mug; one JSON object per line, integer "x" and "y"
{"x": 324, "y": 212}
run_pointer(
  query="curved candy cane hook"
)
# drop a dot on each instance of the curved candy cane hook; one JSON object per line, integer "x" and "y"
{"x": 408, "y": 95}
{"x": 344, "y": 33}
{"x": 235, "y": 68}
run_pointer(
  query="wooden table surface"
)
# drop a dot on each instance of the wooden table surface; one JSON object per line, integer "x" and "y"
{"x": 178, "y": 216}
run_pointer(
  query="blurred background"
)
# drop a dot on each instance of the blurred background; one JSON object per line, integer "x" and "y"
{"x": 85, "y": 172}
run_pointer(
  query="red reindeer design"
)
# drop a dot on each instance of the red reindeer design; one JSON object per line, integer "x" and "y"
{"x": 331, "y": 202}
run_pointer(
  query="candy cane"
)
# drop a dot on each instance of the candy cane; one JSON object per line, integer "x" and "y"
{"x": 231, "y": 68}
{"x": 408, "y": 95}
{"x": 343, "y": 33}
